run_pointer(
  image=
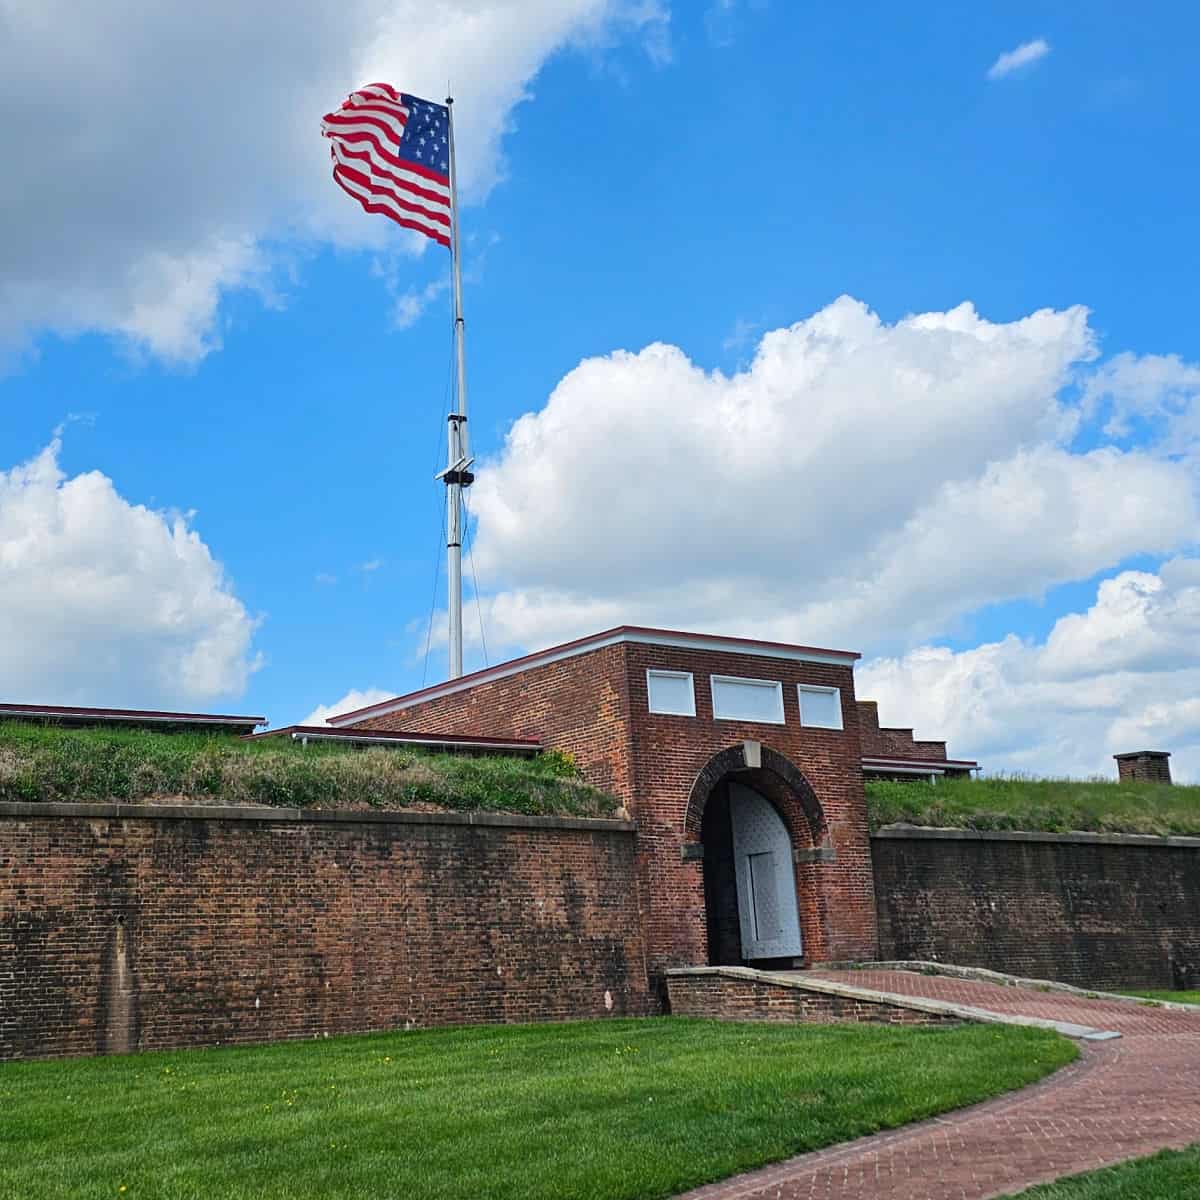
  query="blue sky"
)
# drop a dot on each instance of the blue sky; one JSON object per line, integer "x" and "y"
{"x": 220, "y": 333}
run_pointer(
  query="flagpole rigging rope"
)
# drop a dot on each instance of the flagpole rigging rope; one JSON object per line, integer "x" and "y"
{"x": 447, "y": 403}
{"x": 470, "y": 538}
{"x": 437, "y": 574}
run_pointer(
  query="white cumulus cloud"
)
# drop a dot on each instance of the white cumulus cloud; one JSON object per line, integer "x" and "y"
{"x": 1022, "y": 56}
{"x": 859, "y": 484}
{"x": 107, "y": 602}
{"x": 1122, "y": 676}
{"x": 160, "y": 149}
{"x": 1154, "y": 394}
{"x": 350, "y": 702}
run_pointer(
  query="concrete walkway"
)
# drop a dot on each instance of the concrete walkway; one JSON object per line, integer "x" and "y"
{"x": 1122, "y": 1099}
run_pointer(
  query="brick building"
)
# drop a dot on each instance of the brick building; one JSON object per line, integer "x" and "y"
{"x": 741, "y": 761}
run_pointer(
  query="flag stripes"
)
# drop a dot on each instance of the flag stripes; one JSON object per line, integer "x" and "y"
{"x": 390, "y": 152}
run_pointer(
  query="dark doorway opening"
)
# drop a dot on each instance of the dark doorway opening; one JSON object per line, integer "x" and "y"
{"x": 720, "y": 881}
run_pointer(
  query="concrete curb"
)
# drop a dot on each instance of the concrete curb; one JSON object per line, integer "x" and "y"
{"x": 802, "y": 981}
{"x": 984, "y": 975}
{"x": 17, "y": 810}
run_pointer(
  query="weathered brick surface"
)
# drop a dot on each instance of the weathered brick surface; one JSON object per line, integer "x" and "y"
{"x": 579, "y": 704}
{"x": 1120, "y": 914}
{"x": 131, "y": 934}
{"x": 929, "y": 750}
{"x": 1144, "y": 766}
{"x": 891, "y": 742}
{"x": 727, "y": 999}
{"x": 836, "y": 901}
{"x": 595, "y": 705}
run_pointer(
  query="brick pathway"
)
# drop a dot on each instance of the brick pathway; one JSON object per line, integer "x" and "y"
{"x": 1123, "y": 1098}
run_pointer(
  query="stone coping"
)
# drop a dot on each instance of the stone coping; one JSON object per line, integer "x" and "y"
{"x": 804, "y": 982}
{"x": 939, "y": 833}
{"x": 1000, "y": 978}
{"x": 315, "y": 816}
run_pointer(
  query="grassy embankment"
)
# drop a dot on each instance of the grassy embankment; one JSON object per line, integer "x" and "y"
{"x": 1171, "y": 1175}
{"x": 1170, "y": 997}
{"x": 1039, "y": 805}
{"x": 47, "y": 763}
{"x": 607, "y": 1110}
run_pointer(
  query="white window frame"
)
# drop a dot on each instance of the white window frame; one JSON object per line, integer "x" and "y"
{"x": 835, "y": 692}
{"x": 765, "y": 683}
{"x": 671, "y": 712}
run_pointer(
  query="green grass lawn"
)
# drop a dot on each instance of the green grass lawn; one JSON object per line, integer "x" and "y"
{"x": 594, "y": 1109}
{"x": 1171, "y": 1175}
{"x": 1041, "y": 805}
{"x": 1172, "y": 997}
{"x": 51, "y": 763}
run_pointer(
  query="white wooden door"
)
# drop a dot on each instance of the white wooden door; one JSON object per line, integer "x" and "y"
{"x": 766, "y": 881}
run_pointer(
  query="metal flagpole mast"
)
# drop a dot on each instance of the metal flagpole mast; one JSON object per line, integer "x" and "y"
{"x": 457, "y": 474}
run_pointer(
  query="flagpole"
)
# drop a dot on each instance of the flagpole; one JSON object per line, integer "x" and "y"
{"x": 457, "y": 474}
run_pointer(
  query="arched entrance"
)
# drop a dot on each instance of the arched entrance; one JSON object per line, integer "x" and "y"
{"x": 754, "y": 814}
{"x": 749, "y": 880}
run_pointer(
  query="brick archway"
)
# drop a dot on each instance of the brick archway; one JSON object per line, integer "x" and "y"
{"x": 780, "y": 781}
{"x": 777, "y": 778}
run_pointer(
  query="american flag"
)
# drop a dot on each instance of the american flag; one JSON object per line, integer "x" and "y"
{"x": 391, "y": 152}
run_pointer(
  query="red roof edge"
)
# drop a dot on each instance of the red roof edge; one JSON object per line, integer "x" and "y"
{"x": 130, "y": 714}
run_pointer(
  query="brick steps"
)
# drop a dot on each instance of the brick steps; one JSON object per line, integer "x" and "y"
{"x": 748, "y": 994}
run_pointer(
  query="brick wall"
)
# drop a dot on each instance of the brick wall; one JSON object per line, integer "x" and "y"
{"x": 889, "y": 741}
{"x": 722, "y": 998}
{"x": 595, "y": 705}
{"x": 197, "y": 927}
{"x": 1094, "y": 910}
{"x": 578, "y": 704}
{"x": 836, "y": 902}
{"x": 1144, "y": 766}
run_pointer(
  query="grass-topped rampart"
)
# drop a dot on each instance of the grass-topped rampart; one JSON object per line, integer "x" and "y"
{"x": 49, "y": 763}
{"x": 1037, "y": 805}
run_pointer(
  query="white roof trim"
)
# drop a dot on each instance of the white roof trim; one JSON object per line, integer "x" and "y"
{"x": 685, "y": 641}
{"x": 899, "y": 770}
{"x": 677, "y": 641}
{"x": 883, "y": 762}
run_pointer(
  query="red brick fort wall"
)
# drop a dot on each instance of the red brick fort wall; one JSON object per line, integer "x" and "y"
{"x": 131, "y": 932}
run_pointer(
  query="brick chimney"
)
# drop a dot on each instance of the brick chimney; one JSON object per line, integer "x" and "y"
{"x": 1144, "y": 766}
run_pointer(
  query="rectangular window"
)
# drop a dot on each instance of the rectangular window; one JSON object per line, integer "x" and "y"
{"x": 671, "y": 693}
{"x": 747, "y": 700}
{"x": 820, "y": 707}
